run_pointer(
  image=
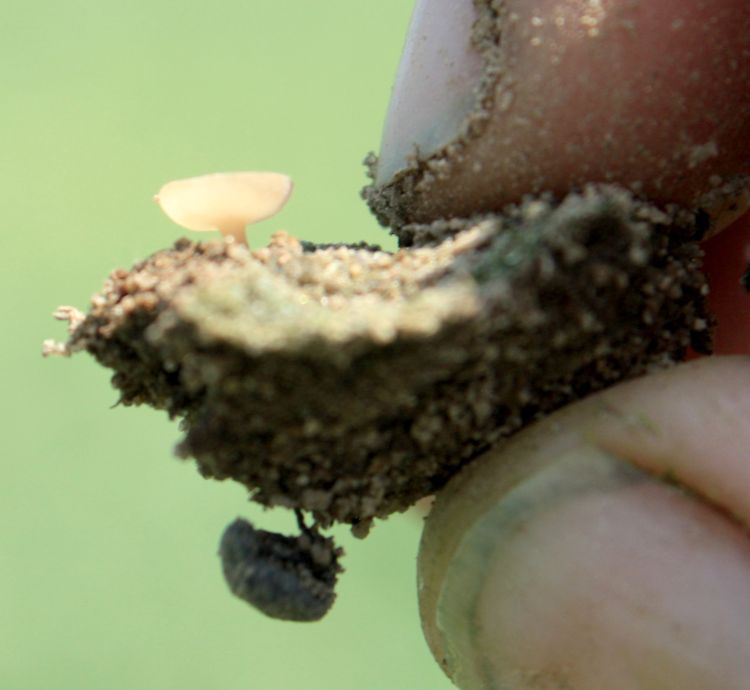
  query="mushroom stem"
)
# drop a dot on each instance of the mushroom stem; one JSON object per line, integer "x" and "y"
{"x": 236, "y": 231}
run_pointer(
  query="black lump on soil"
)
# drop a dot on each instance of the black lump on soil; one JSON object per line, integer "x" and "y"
{"x": 289, "y": 578}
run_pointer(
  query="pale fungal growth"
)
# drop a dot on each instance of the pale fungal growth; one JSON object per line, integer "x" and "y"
{"x": 227, "y": 202}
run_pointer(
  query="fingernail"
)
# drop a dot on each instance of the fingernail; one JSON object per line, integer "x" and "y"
{"x": 435, "y": 85}
{"x": 499, "y": 509}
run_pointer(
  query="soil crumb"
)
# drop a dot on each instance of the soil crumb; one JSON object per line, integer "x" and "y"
{"x": 348, "y": 382}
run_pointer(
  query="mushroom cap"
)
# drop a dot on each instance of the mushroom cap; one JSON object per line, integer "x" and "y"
{"x": 222, "y": 201}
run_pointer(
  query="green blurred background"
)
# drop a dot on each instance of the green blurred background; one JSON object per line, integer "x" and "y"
{"x": 109, "y": 577}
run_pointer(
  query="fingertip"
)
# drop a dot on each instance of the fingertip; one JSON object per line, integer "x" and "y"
{"x": 650, "y": 96}
{"x": 562, "y": 556}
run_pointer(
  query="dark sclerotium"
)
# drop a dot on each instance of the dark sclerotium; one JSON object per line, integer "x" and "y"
{"x": 289, "y": 578}
{"x": 746, "y": 279}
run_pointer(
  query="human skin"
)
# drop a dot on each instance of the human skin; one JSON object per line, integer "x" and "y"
{"x": 650, "y": 95}
{"x": 642, "y": 581}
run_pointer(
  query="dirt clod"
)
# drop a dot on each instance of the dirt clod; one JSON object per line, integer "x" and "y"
{"x": 348, "y": 382}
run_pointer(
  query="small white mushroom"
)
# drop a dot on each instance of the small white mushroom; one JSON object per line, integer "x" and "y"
{"x": 226, "y": 202}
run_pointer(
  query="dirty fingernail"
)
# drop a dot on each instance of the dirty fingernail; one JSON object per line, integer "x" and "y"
{"x": 435, "y": 85}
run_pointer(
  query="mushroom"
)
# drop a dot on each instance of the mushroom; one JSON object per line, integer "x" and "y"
{"x": 226, "y": 202}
